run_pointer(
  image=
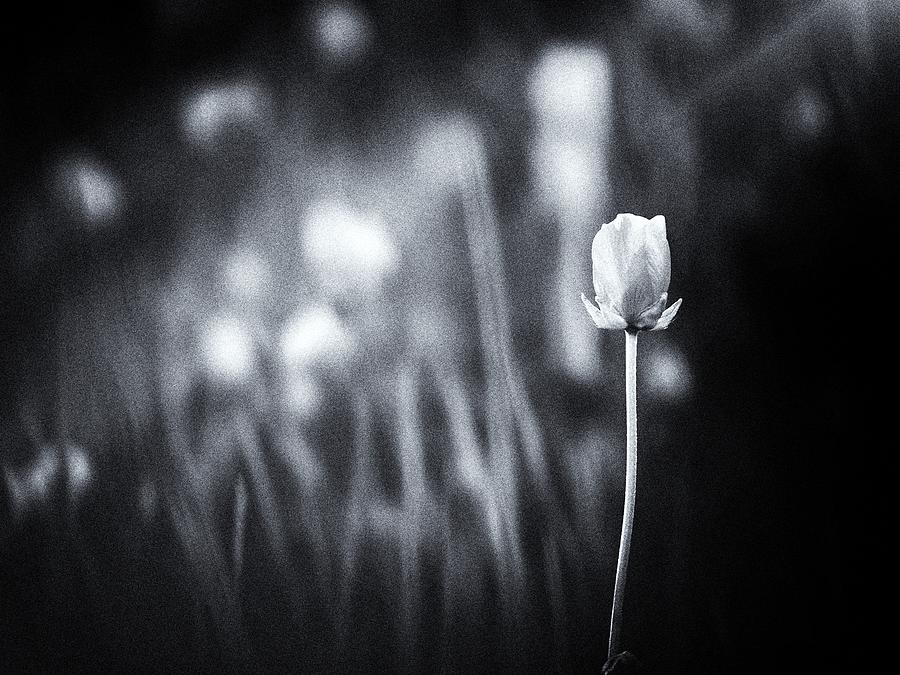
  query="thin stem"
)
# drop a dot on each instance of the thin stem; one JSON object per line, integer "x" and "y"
{"x": 615, "y": 627}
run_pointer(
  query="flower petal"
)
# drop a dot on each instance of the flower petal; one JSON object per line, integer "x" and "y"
{"x": 648, "y": 266}
{"x": 666, "y": 318}
{"x": 608, "y": 263}
{"x": 603, "y": 316}
{"x": 659, "y": 257}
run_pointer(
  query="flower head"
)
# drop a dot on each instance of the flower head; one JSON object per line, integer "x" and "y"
{"x": 632, "y": 267}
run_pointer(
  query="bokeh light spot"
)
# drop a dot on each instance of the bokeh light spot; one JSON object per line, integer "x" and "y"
{"x": 79, "y": 471}
{"x": 668, "y": 374}
{"x": 350, "y": 250}
{"x": 90, "y": 191}
{"x": 316, "y": 336}
{"x": 343, "y": 32}
{"x": 211, "y": 109}
{"x": 227, "y": 350}
{"x": 808, "y": 115}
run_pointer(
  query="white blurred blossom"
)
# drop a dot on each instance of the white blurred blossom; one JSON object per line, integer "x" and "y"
{"x": 316, "y": 336}
{"x": 343, "y": 32}
{"x": 350, "y": 250}
{"x": 90, "y": 190}
{"x": 227, "y": 350}
{"x": 79, "y": 472}
{"x": 211, "y": 109}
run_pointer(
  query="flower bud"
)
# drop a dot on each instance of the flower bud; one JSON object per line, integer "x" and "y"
{"x": 632, "y": 266}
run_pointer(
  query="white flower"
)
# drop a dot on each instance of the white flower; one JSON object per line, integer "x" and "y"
{"x": 632, "y": 267}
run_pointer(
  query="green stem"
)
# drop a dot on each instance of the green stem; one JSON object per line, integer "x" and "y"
{"x": 615, "y": 627}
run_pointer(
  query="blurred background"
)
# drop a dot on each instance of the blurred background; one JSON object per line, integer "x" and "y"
{"x": 295, "y": 374}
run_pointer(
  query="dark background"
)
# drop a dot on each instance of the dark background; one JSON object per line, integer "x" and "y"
{"x": 766, "y": 132}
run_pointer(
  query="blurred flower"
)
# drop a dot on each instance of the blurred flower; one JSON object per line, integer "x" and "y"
{"x": 30, "y": 487}
{"x": 316, "y": 337}
{"x": 669, "y": 376}
{"x": 90, "y": 191}
{"x": 227, "y": 350}
{"x": 210, "y": 110}
{"x": 631, "y": 275}
{"x": 350, "y": 250}
{"x": 79, "y": 471}
{"x": 343, "y": 32}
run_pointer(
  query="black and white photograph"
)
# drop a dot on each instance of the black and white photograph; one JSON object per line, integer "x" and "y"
{"x": 448, "y": 336}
